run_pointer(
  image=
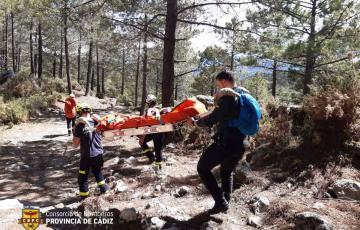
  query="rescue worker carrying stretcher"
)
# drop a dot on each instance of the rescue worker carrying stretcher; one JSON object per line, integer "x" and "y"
{"x": 91, "y": 149}
{"x": 157, "y": 138}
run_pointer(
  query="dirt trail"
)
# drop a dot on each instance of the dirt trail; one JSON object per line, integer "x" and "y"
{"x": 40, "y": 168}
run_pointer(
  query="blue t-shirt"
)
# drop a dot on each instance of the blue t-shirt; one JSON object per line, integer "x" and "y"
{"x": 90, "y": 141}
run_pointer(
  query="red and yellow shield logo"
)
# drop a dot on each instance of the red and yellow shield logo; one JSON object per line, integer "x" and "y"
{"x": 30, "y": 218}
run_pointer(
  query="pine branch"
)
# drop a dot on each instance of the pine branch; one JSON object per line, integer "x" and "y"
{"x": 212, "y": 3}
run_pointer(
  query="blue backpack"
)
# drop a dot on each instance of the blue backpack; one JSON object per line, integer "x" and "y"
{"x": 250, "y": 114}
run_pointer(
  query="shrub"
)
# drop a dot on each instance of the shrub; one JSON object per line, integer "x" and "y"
{"x": 50, "y": 85}
{"x": 14, "y": 112}
{"x": 333, "y": 112}
{"x": 124, "y": 100}
{"x": 22, "y": 85}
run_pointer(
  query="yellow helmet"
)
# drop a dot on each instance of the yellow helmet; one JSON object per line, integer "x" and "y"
{"x": 83, "y": 108}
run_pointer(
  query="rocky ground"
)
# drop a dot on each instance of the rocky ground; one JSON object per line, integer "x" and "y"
{"x": 39, "y": 168}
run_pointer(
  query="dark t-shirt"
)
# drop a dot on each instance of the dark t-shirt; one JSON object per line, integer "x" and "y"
{"x": 227, "y": 110}
{"x": 90, "y": 141}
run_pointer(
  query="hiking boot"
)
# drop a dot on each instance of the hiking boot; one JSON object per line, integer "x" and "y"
{"x": 221, "y": 206}
{"x": 150, "y": 156}
{"x": 157, "y": 166}
{"x": 227, "y": 197}
{"x": 104, "y": 189}
{"x": 69, "y": 132}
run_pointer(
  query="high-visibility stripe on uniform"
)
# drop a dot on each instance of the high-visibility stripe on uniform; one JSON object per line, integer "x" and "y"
{"x": 147, "y": 150}
{"x": 157, "y": 162}
{"x": 82, "y": 171}
{"x": 84, "y": 193}
{"x": 101, "y": 183}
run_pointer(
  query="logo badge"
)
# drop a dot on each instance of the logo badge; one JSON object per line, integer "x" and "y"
{"x": 30, "y": 218}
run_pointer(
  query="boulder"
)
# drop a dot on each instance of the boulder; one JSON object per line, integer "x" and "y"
{"x": 120, "y": 186}
{"x": 10, "y": 212}
{"x": 157, "y": 223}
{"x": 128, "y": 214}
{"x": 346, "y": 188}
{"x": 259, "y": 204}
{"x": 182, "y": 191}
{"x": 255, "y": 221}
{"x": 311, "y": 221}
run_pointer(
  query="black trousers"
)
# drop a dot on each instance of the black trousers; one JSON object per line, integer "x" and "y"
{"x": 95, "y": 164}
{"x": 157, "y": 138}
{"x": 227, "y": 156}
{"x": 70, "y": 122}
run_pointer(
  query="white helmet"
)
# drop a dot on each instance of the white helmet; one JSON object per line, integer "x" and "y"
{"x": 72, "y": 95}
{"x": 150, "y": 98}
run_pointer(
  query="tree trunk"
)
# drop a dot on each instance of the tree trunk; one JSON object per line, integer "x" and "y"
{"x": 103, "y": 80}
{"x": 232, "y": 58}
{"x": 6, "y": 43}
{"x": 310, "y": 50}
{"x": 18, "y": 59}
{"x": 274, "y": 73}
{"x": 157, "y": 82}
{"x": 79, "y": 59}
{"x": 39, "y": 52}
{"x": 67, "y": 61}
{"x": 145, "y": 69}
{"x": 176, "y": 91}
{"x": 61, "y": 55}
{"x": 168, "y": 73}
{"x": 13, "y": 42}
{"x": 137, "y": 73}
{"x": 97, "y": 72}
{"x": 32, "y": 71}
{"x": 88, "y": 75}
{"x": 123, "y": 73}
{"x": 92, "y": 79}
{"x": 54, "y": 65}
{"x": 35, "y": 63}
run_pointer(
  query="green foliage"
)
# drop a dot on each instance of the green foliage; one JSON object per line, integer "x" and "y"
{"x": 13, "y": 112}
{"x": 22, "y": 85}
{"x": 124, "y": 100}
{"x": 258, "y": 87}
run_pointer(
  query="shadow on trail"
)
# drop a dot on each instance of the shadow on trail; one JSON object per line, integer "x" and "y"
{"x": 45, "y": 172}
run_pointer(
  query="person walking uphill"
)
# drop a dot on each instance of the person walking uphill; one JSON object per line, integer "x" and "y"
{"x": 91, "y": 150}
{"x": 227, "y": 148}
{"x": 157, "y": 138}
{"x": 70, "y": 112}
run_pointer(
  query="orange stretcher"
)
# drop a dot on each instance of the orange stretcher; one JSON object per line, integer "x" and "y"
{"x": 188, "y": 108}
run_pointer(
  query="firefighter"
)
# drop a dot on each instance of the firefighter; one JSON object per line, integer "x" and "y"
{"x": 157, "y": 138}
{"x": 70, "y": 112}
{"x": 91, "y": 150}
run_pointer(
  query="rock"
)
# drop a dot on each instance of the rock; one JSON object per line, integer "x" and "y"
{"x": 210, "y": 225}
{"x": 131, "y": 160}
{"x": 259, "y": 203}
{"x": 242, "y": 173}
{"x": 157, "y": 222}
{"x": 10, "y": 212}
{"x": 61, "y": 205}
{"x": 120, "y": 186}
{"x": 346, "y": 188}
{"x": 255, "y": 221}
{"x": 310, "y": 221}
{"x": 318, "y": 205}
{"x": 182, "y": 191}
{"x": 112, "y": 161}
{"x": 158, "y": 188}
{"x": 46, "y": 209}
{"x": 73, "y": 205}
{"x": 128, "y": 214}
